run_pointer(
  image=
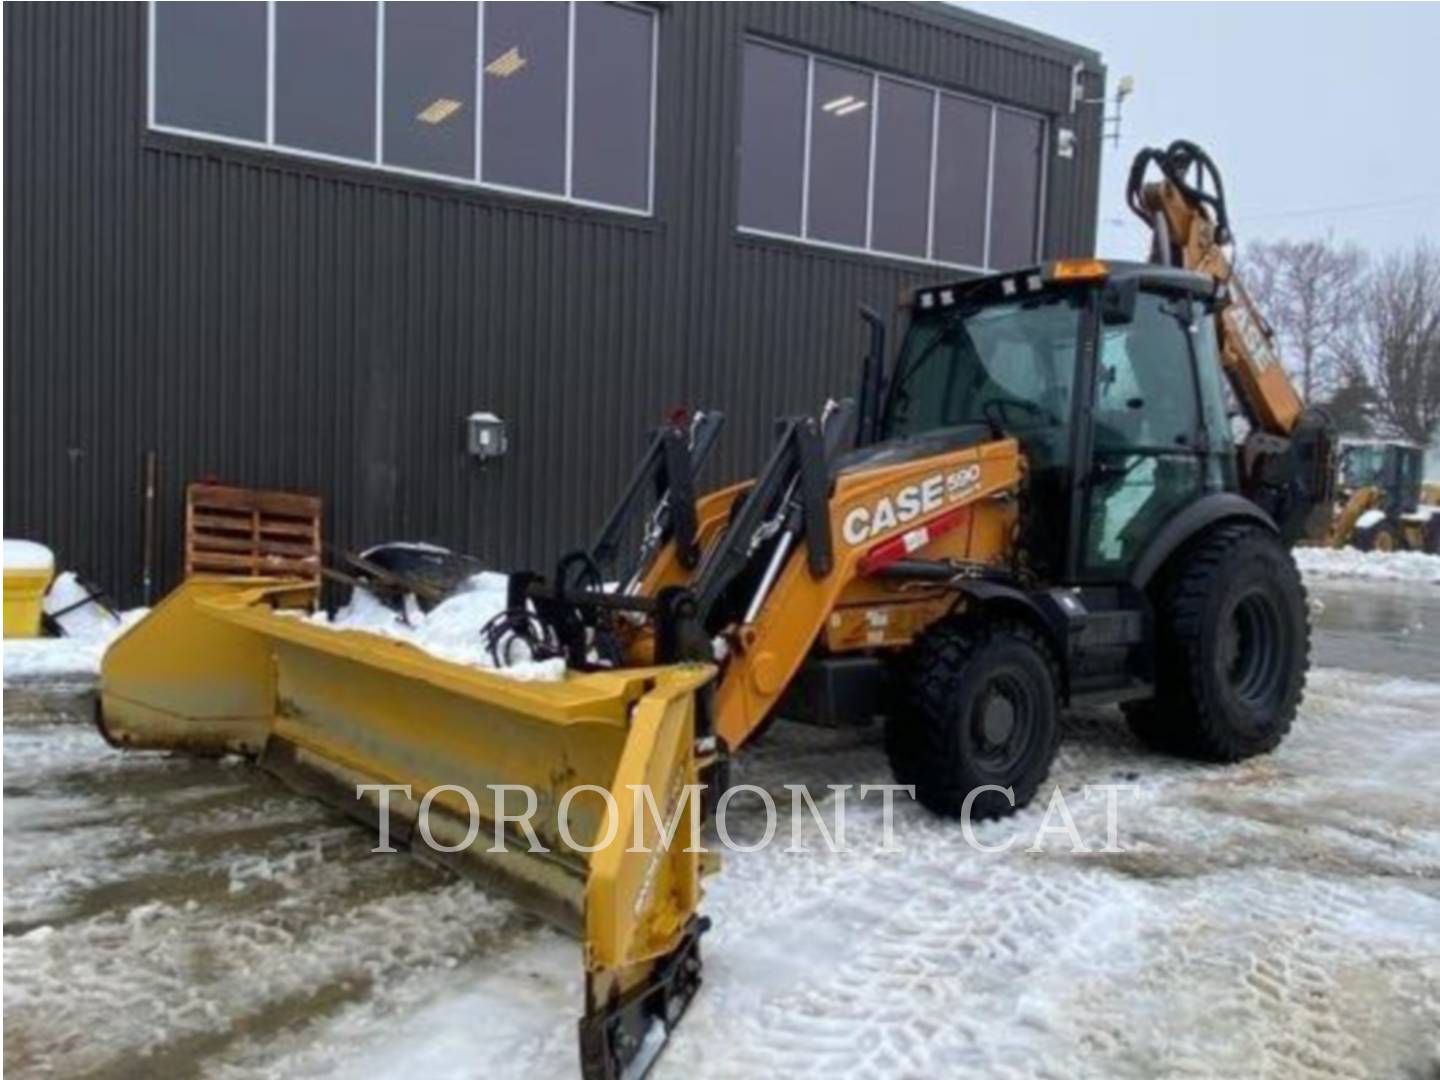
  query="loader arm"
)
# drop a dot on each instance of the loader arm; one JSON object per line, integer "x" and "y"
{"x": 967, "y": 484}
{"x": 1347, "y": 518}
{"x": 951, "y": 510}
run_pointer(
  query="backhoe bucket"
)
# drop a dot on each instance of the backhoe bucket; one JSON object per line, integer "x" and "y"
{"x": 232, "y": 665}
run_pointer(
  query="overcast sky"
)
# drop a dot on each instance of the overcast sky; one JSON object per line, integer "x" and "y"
{"x": 1323, "y": 118}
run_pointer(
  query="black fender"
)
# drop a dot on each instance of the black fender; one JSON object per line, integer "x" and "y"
{"x": 1198, "y": 516}
{"x": 998, "y": 597}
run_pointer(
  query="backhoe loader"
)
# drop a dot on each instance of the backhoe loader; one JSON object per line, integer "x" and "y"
{"x": 1038, "y": 505}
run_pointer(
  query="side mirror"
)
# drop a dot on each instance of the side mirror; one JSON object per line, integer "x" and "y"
{"x": 1117, "y": 302}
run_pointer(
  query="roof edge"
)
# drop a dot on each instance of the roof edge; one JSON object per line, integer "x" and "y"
{"x": 945, "y": 15}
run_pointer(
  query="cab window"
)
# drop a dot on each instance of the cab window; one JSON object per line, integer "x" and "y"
{"x": 1146, "y": 463}
{"x": 1010, "y": 366}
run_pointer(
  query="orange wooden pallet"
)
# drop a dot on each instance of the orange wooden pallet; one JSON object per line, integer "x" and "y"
{"x": 230, "y": 530}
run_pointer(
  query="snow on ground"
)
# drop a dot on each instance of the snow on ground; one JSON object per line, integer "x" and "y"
{"x": 1280, "y": 917}
{"x": 1415, "y": 566}
{"x": 450, "y": 630}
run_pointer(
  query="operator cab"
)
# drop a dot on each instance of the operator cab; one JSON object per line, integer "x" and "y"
{"x": 1108, "y": 376}
{"x": 1396, "y": 469}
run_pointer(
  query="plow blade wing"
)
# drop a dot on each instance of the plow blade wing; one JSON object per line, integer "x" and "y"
{"x": 537, "y": 788}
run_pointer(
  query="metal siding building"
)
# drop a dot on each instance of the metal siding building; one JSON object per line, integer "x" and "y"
{"x": 275, "y": 321}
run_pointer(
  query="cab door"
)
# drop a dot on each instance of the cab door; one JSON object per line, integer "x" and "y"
{"x": 1148, "y": 447}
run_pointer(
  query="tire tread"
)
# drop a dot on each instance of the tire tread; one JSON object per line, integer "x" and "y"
{"x": 930, "y": 676}
{"x": 1181, "y": 719}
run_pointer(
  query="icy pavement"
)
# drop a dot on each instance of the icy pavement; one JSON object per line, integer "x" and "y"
{"x": 1277, "y": 918}
{"x": 1389, "y": 626}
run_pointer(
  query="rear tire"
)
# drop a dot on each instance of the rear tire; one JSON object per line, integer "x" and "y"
{"x": 1431, "y": 534}
{"x": 1232, "y": 648}
{"x": 1381, "y": 536}
{"x": 980, "y": 707}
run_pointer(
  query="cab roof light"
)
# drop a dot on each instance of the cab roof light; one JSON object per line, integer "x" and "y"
{"x": 1079, "y": 270}
{"x": 930, "y": 299}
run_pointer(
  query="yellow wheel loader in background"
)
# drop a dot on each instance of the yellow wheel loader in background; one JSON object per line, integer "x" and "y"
{"x": 1383, "y": 501}
{"x": 1040, "y": 505}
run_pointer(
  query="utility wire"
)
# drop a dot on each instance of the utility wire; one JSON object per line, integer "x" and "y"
{"x": 1347, "y": 208}
{"x": 1350, "y": 208}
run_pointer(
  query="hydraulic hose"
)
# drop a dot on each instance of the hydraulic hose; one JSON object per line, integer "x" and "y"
{"x": 1176, "y": 162}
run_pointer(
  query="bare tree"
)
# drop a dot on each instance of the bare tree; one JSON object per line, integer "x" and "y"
{"x": 1309, "y": 290}
{"x": 1352, "y": 405}
{"x": 1394, "y": 346}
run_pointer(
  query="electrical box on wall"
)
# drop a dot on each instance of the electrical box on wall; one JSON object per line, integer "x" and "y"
{"x": 485, "y": 436}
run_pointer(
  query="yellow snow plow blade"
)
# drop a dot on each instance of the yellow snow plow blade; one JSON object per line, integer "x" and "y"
{"x": 232, "y": 665}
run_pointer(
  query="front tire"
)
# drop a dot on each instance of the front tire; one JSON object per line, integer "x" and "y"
{"x": 1233, "y": 647}
{"x": 980, "y": 707}
{"x": 1380, "y": 537}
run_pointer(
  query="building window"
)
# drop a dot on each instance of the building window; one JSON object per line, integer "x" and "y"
{"x": 208, "y": 68}
{"x": 527, "y": 64}
{"x": 614, "y": 80}
{"x": 560, "y": 104}
{"x": 962, "y": 181}
{"x": 853, "y": 159}
{"x": 1018, "y": 161}
{"x": 841, "y": 114}
{"x": 429, "y": 120}
{"x": 325, "y": 78}
{"x": 772, "y": 149}
{"x": 903, "y": 148}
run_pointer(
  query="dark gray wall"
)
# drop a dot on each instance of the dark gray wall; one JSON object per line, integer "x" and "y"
{"x": 273, "y": 322}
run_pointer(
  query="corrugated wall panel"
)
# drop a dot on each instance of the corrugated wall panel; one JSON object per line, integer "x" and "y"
{"x": 268, "y": 321}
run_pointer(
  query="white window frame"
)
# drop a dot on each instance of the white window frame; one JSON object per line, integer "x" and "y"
{"x": 377, "y": 165}
{"x": 936, "y": 92}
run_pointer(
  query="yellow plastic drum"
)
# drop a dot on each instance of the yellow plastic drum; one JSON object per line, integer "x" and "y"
{"x": 28, "y": 570}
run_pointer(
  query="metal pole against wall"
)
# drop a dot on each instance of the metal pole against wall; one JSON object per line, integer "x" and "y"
{"x": 147, "y": 573}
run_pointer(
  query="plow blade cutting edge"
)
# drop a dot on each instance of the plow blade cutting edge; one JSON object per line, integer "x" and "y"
{"x": 232, "y": 665}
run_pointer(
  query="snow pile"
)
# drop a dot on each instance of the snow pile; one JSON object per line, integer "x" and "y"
{"x": 81, "y": 611}
{"x": 449, "y": 631}
{"x": 89, "y": 628}
{"x": 27, "y": 555}
{"x": 1369, "y": 565}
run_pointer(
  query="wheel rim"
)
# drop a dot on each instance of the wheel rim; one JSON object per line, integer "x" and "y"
{"x": 1384, "y": 541}
{"x": 1002, "y": 718}
{"x": 1252, "y": 649}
